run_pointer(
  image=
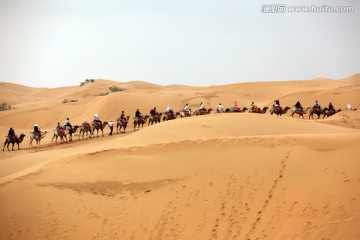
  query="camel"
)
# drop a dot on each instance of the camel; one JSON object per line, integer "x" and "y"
{"x": 328, "y": 113}
{"x": 85, "y": 128}
{"x": 183, "y": 114}
{"x": 258, "y": 110}
{"x": 13, "y": 140}
{"x": 95, "y": 125}
{"x": 138, "y": 122}
{"x": 278, "y": 110}
{"x": 234, "y": 110}
{"x": 299, "y": 111}
{"x": 59, "y": 133}
{"x": 121, "y": 124}
{"x": 37, "y": 138}
{"x": 316, "y": 111}
{"x": 168, "y": 116}
{"x": 70, "y": 132}
{"x": 202, "y": 112}
{"x": 154, "y": 119}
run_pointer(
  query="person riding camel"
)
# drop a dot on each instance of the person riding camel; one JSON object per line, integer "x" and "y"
{"x": 220, "y": 108}
{"x": 236, "y": 107}
{"x": 37, "y": 130}
{"x": 59, "y": 128}
{"x": 12, "y": 134}
{"x": 67, "y": 123}
{"x": 187, "y": 110}
{"x": 97, "y": 120}
{"x": 316, "y": 106}
{"x": 169, "y": 110}
{"x": 154, "y": 113}
{"x": 123, "y": 117}
{"x": 254, "y": 107}
{"x": 331, "y": 108}
{"x": 277, "y": 105}
{"x": 138, "y": 115}
{"x": 298, "y": 106}
{"x": 202, "y": 108}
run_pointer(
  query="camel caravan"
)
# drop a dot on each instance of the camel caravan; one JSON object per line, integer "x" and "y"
{"x": 87, "y": 130}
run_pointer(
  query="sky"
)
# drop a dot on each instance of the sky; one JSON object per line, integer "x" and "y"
{"x": 52, "y": 43}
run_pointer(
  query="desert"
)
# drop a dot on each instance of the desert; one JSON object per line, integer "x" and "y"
{"x": 213, "y": 176}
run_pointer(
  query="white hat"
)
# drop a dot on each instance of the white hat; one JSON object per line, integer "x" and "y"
{"x": 35, "y": 125}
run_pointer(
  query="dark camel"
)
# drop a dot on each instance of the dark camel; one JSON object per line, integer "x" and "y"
{"x": 278, "y": 110}
{"x": 121, "y": 123}
{"x": 258, "y": 110}
{"x": 155, "y": 119}
{"x": 202, "y": 112}
{"x": 168, "y": 116}
{"x": 13, "y": 140}
{"x": 317, "y": 111}
{"x": 138, "y": 122}
{"x": 328, "y": 113}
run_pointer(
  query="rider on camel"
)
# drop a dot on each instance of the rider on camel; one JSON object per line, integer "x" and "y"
{"x": 67, "y": 123}
{"x": 138, "y": 114}
{"x": 236, "y": 107}
{"x": 97, "y": 120}
{"x": 169, "y": 110}
{"x": 154, "y": 113}
{"x": 298, "y": 105}
{"x": 316, "y": 104}
{"x": 12, "y": 134}
{"x": 202, "y": 108}
{"x": 123, "y": 117}
{"x": 187, "y": 110}
{"x": 59, "y": 128}
{"x": 277, "y": 104}
{"x": 37, "y": 130}
{"x": 331, "y": 108}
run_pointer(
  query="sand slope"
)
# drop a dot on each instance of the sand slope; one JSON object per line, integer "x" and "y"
{"x": 219, "y": 176}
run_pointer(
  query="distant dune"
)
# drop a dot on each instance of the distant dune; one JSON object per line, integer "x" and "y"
{"x": 216, "y": 176}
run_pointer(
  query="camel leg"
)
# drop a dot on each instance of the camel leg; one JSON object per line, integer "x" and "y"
{"x": 18, "y": 145}
{"x": 4, "y": 144}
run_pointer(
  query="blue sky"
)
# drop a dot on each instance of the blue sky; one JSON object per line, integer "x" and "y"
{"x": 48, "y": 43}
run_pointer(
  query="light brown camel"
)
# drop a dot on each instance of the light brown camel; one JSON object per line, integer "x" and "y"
{"x": 317, "y": 111}
{"x": 202, "y": 112}
{"x": 122, "y": 124}
{"x": 183, "y": 114}
{"x": 96, "y": 126}
{"x": 85, "y": 128}
{"x": 279, "y": 110}
{"x": 168, "y": 116}
{"x": 235, "y": 110}
{"x": 59, "y": 133}
{"x": 327, "y": 112}
{"x": 258, "y": 110}
{"x": 140, "y": 121}
{"x": 13, "y": 140}
{"x": 299, "y": 111}
{"x": 37, "y": 137}
{"x": 154, "y": 119}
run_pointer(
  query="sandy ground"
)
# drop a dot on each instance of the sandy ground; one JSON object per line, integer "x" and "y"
{"x": 218, "y": 176}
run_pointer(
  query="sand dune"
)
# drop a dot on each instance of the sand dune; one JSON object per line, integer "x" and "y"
{"x": 219, "y": 176}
